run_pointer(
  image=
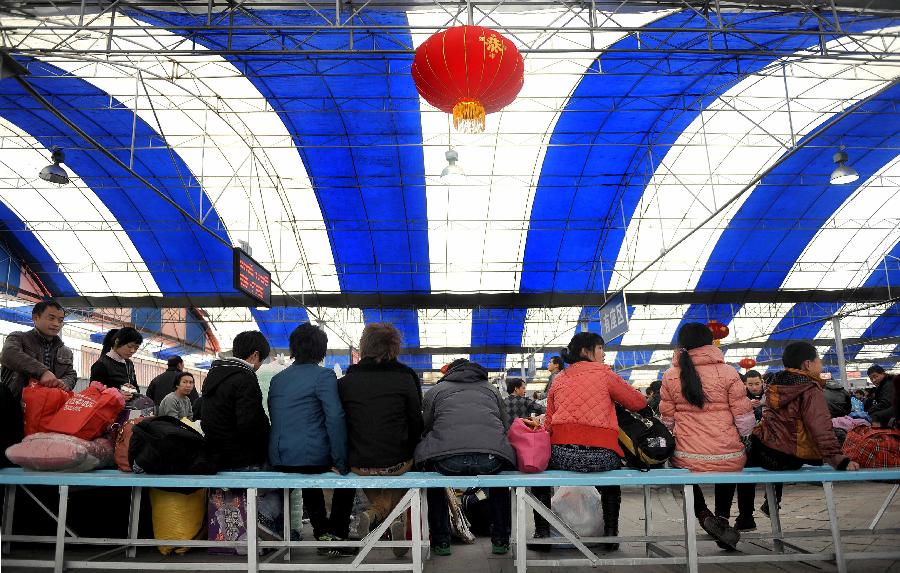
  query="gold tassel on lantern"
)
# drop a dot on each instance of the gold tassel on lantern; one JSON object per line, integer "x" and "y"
{"x": 468, "y": 116}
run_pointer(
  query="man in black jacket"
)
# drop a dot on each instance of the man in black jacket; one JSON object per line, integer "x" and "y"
{"x": 880, "y": 405}
{"x": 383, "y": 410}
{"x": 235, "y": 424}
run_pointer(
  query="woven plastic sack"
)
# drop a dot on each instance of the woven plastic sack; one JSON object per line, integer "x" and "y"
{"x": 177, "y": 516}
{"x": 40, "y": 405}
{"x": 46, "y": 451}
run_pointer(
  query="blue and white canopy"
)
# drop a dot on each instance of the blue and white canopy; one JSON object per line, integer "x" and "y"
{"x": 674, "y": 161}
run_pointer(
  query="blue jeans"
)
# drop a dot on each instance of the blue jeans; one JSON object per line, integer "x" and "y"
{"x": 468, "y": 465}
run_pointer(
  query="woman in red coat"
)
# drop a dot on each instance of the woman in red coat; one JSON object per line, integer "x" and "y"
{"x": 705, "y": 404}
{"x": 581, "y": 419}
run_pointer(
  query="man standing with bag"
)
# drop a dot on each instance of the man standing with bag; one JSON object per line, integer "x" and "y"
{"x": 39, "y": 353}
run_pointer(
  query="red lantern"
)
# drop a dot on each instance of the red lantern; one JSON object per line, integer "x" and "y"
{"x": 468, "y": 71}
{"x": 719, "y": 330}
{"x": 747, "y": 363}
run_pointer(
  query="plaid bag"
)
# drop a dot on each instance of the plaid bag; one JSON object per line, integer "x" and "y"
{"x": 873, "y": 447}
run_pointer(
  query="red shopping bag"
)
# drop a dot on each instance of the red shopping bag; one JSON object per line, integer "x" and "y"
{"x": 40, "y": 404}
{"x": 532, "y": 446}
{"x": 88, "y": 414}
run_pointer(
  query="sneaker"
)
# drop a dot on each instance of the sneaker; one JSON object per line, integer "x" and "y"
{"x": 745, "y": 523}
{"x": 441, "y": 549}
{"x": 719, "y": 529}
{"x": 365, "y": 524}
{"x": 542, "y": 533}
{"x": 335, "y": 551}
{"x": 765, "y": 508}
{"x": 499, "y": 546}
{"x": 398, "y": 533}
{"x": 296, "y": 535}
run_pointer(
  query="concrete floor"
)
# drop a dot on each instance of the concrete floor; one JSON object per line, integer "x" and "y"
{"x": 803, "y": 508}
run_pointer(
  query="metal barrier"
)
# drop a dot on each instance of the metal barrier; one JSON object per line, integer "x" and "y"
{"x": 417, "y": 482}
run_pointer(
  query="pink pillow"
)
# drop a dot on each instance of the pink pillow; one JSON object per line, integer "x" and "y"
{"x": 47, "y": 451}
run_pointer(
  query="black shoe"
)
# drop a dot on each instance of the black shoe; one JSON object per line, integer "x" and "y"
{"x": 745, "y": 523}
{"x": 765, "y": 508}
{"x": 610, "y": 532}
{"x": 541, "y": 533}
{"x": 719, "y": 529}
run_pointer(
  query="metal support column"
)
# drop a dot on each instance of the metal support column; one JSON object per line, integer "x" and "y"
{"x": 9, "y": 507}
{"x": 835, "y": 527}
{"x": 134, "y": 521}
{"x": 522, "y": 552}
{"x": 286, "y": 520}
{"x": 415, "y": 518}
{"x": 775, "y": 518}
{"x": 690, "y": 531}
{"x": 647, "y": 518}
{"x": 252, "y": 532}
{"x": 59, "y": 554}
{"x": 839, "y": 349}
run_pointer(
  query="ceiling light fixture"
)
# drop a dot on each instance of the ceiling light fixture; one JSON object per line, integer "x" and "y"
{"x": 452, "y": 168}
{"x": 843, "y": 173}
{"x": 55, "y": 173}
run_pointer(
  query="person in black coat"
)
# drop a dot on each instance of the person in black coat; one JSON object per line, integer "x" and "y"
{"x": 114, "y": 368}
{"x": 880, "y": 405}
{"x": 383, "y": 409}
{"x": 234, "y": 421}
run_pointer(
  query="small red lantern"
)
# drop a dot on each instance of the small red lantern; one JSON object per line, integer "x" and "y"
{"x": 719, "y": 330}
{"x": 747, "y": 363}
{"x": 468, "y": 71}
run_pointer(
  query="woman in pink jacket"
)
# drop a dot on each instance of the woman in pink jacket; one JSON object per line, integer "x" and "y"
{"x": 705, "y": 404}
{"x": 581, "y": 418}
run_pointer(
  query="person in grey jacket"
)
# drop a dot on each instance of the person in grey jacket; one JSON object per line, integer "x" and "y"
{"x": 465, "y": 434}
{"x": 39, "y": 353}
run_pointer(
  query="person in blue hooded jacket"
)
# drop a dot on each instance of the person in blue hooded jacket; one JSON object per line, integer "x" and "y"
{"x": 309, "y": 434}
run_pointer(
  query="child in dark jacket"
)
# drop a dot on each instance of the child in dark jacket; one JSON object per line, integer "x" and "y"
{"x": 796, "y": 425}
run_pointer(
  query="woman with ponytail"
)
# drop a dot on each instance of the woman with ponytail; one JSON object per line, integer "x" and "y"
{"x": 581, "y": 419}
{"x": 114, "y": 368}
{"x": 705, "y": 404}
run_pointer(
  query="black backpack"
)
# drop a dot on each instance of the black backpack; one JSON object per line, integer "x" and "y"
{"x": 645, "y": 440}
{"x": 166, "y": 445}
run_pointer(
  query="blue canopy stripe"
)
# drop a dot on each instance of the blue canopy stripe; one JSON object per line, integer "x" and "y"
{"x": 21, "y": 244}
{"x": 372, "y": 195}
{"x": 175, "y": 256}
{"x": 407, "y": 322}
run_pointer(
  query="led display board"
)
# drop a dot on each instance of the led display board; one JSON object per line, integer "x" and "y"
{"x": 251, "y": 278}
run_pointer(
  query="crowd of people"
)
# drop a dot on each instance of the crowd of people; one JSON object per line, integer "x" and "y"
{"x": 376, "y": 421}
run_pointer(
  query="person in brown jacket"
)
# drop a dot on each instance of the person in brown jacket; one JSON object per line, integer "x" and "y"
{"x": 39, "y": 353}
{"x": 796, "y": 425}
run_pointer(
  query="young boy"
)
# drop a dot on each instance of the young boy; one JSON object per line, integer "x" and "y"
{"x": 796, "y": 426}
{"x": 753, "y": 382}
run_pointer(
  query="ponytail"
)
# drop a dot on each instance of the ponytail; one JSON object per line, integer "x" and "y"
{"x": 692, "y": 335}
{"x": 691, "y": 387}
{"x": 581, "y": 341}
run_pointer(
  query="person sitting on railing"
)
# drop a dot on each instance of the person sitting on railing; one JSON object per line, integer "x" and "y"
{"x": 234, "y": 421}
{"x": 309, "y": 432}
{"x": 705, "y": 404}
{"x": 383, "y": 408}
{"x": 584, "y": 430}
{"x": 465, "y": 434}
{"x": 796, "y": 425}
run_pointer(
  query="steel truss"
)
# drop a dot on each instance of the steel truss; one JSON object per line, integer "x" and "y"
{"x": 580, "y": 20}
